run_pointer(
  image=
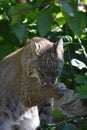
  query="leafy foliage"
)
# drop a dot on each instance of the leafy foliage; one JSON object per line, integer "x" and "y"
{"x": 51, "y": 19}
{"x": 82, "y": 92}
{"x": 58, "y": 114}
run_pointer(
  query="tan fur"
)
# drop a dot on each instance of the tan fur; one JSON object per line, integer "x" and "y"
{"x": 18, "y": 76}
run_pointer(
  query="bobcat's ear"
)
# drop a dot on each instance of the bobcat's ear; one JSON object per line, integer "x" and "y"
{"x": 37, "y": 48}
{"x": 59, "y": 49}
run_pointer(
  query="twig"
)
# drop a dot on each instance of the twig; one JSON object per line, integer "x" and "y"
{"x": 83, "y": 48}
{"x": 62, "y": 122}
{"x": 71, "y": 120}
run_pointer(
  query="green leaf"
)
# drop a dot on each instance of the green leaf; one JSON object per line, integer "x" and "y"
{"x": 81, "y": 79}
{"x": 44, "y": 21}
{"x": 20, "y": 31}
{"x": 15, "y": 19}
{"x": 58, "y": 114}
{"x": 77, "y": 23}
{"x": 82, "y": 91}
{"x": 69, "y": 126}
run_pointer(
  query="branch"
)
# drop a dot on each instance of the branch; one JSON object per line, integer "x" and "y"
{"x": 27, "y": 8}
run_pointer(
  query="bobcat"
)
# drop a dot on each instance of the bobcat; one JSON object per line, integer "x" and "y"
{"x": 27, "y": 84}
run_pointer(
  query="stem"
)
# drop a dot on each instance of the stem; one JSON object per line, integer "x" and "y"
{"x": 83, "y": 48}
{"x": 71, "y": 68}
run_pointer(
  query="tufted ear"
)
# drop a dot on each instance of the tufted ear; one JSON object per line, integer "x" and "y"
{"x": 37, "y": 48}
{"x": 59, "y": 49}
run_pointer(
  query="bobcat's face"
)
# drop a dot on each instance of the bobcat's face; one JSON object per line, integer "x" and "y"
{"x": 50, "y": 60}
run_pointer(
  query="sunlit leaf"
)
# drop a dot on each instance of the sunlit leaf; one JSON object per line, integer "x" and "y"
{"x": 60, "y": 21}
{"x": 79, "y": 51}
{"x": 77, "y": 63}
{"x": 67, "y": 39}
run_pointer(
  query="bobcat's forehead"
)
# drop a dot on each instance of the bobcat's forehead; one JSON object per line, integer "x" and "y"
{"x": 41, "y": 45}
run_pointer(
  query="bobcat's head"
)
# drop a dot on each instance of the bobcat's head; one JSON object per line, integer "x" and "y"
{"x": 49, "y": 61}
